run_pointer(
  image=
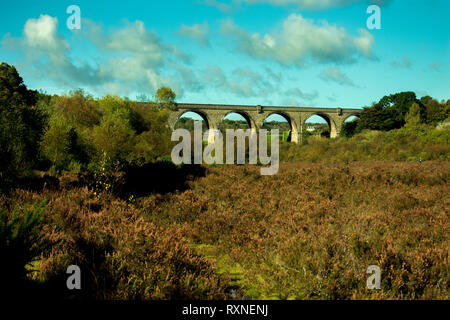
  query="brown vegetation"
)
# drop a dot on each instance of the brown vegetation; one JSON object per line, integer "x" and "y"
{"x": 308, "y": 232}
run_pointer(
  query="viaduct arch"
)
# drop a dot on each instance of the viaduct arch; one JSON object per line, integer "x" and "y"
{"x": 213, "y": 114}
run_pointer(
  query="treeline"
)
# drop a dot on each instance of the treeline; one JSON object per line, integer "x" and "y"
{"x": 397, "y": 110}
{"x": 75, "y": 131}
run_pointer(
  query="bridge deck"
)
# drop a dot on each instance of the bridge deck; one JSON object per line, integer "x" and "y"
{"x": 194, "y": 106}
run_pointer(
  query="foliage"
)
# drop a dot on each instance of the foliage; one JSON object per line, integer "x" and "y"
{"x": 20, "y": 243}
{"x": 121, "y": 255}
{"x": 406, "y": 144}
{"x": 387, "y": 114}
{"x": 166, "y": 97}
{"x": 59, "y": 142}
{"x": 412, "y": 118}
{"x": 78, "y": 108}
{"x": 435, "y": 112}
{"x": 391, "y": 111}
{"x": 21, "y": 126}
{"x": 348, "y": 128}
{"x": 308, "y": 232}
{"x": 81, "y": 130}
{"x": 311, "y": 231}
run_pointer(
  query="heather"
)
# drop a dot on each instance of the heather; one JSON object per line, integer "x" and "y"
{"x": 308, "y": 232}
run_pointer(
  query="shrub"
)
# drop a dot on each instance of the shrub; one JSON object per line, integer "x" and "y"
{"x": 20, "y": 244}
{"x": 121, "y": 255}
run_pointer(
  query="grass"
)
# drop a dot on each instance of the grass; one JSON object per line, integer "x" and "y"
{"x": 311, "y": 231}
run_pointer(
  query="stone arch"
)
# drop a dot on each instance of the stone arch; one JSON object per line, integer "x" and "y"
{"x": 175, "y": 116}
{"x": 251, "y": 122}
{"x": 328, "y": 118}
{"x": 348, "y": 115}
{"x": 290, "y": 120}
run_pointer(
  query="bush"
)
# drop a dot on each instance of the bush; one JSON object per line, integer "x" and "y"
{"x": 20, "y": 244}
{"x": 121, "y": 255}
{"x": 408, "y": 143}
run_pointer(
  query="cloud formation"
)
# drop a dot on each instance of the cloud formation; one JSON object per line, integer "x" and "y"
{"x": 298, "y": 93}
{"x": 222, "y": 6}
{"x": 197, "y": 33}
{"x": 300, "y": 41}
{"x": 241, "y": 82}
{"x": 336, "y": 75}
{"x": 404, "y": 62}
{"x": 232, "y": 5}
{"x": 133, "y": 58}
{"x": 315, "y": 4}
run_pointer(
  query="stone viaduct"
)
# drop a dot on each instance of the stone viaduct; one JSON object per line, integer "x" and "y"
{"x": 213, "y": 114}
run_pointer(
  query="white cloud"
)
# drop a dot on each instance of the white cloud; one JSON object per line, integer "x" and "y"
{"x": 315, "y": 4}
{"x": 197, "y": 32}
{"x": 230, "y": 6}
{"x": 42, "y": 34}
{"x": 242, "y": 81}
{"x": 224, "y": 7}
{"x": 336, "y": 75}
{"x": 302, "y": 40}
{"x": 298, "y": 93}
{"x": 133, "y": 59}
{"x": 128, "y": 60}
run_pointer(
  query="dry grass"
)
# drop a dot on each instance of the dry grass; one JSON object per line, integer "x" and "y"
{"x": 312, "y": 230}
{"x": 308, "y": 232}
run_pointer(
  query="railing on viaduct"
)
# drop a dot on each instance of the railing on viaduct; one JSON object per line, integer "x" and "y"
{"x": 213, "y": 114}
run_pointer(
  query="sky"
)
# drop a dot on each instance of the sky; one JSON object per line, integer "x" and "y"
{"x": 255, "y": 52}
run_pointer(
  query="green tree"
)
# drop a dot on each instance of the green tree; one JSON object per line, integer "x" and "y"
{"x": 166, "y": 97}
{"x": 115, "y": 137}
{"x": 389, "y": 113}
{"x": 435, "y": 112}
{"x": 21, "y": 126}
{"x": 58, "y": 142}
{"x": 412, "y": 118}
{"x": 349, "y": 128}
{"x": 79, "y": 108}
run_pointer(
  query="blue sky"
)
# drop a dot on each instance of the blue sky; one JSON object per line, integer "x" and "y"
{"x": 268, "y": 52}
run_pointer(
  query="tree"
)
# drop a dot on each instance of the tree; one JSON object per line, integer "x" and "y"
{"x": 166, "y": 97}
{"x": 21, "y": 126}
{"x": 412, "y": 118}
{"x": 389, "y": 113}
{"x": 435, "y": 112}
{"x": 78, "y": 108}
{"x": 348, "y": 128}
{"x": 58, "y": 142}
